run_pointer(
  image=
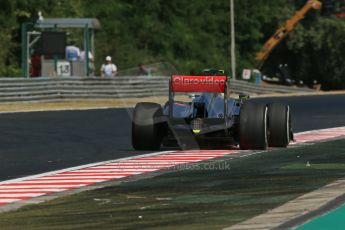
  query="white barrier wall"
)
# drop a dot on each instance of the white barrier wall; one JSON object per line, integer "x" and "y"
{"x": 70, "y": 88}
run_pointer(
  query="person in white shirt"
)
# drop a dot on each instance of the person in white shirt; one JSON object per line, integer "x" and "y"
{"x": 72, "y": 52}
{"x": 108, "y": 69}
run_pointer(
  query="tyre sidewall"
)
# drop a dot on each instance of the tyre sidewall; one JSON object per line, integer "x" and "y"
{"x": 146, "y": 129}
{"x": 253, "y": 126}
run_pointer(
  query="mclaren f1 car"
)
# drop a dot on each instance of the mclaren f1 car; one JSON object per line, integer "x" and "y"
{"x": 210, "y": 118}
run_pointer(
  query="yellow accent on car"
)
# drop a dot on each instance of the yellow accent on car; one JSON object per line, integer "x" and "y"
{"x": 196, "y": 130}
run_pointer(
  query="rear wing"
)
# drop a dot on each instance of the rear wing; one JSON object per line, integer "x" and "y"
{"x": 198, "y": 84}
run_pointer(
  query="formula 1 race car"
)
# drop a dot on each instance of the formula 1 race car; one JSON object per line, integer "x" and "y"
{"x": 210, "y": 118}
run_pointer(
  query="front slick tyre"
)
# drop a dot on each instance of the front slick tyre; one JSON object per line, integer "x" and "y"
{"x": 279, "y": 125}
{"x": 253, "y": 126}
{"x": 146, "y": 130}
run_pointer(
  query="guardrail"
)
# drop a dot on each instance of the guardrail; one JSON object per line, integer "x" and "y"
{"x": 74, "y": 88}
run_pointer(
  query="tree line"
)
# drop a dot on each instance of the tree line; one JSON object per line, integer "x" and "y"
{"x": 192, "y": 35}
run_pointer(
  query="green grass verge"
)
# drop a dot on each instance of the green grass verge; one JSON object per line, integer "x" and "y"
{"x": 192, "y": 199}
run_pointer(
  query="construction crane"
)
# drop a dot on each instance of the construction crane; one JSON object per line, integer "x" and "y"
{"x": 284, "y": 30}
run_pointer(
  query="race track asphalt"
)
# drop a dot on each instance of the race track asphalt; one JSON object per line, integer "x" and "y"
{"x": 38, "y": 142}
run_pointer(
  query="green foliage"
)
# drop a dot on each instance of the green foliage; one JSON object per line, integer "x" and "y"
{"x": 319, "y": 51}
{"x": 192, "y": 35}
{"x": 256, "y": 22}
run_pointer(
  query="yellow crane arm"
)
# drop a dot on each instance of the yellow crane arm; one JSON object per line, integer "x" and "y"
{"x": 284, "y": 30}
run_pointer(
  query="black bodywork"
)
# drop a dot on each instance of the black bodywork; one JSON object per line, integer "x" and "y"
{"x": 208, "y": 119}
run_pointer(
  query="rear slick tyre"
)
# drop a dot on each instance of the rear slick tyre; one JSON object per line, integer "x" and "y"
{"x": 279, "y": 125}
{"x": 253, "y": 126}
{"x": 146, "y": 130}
